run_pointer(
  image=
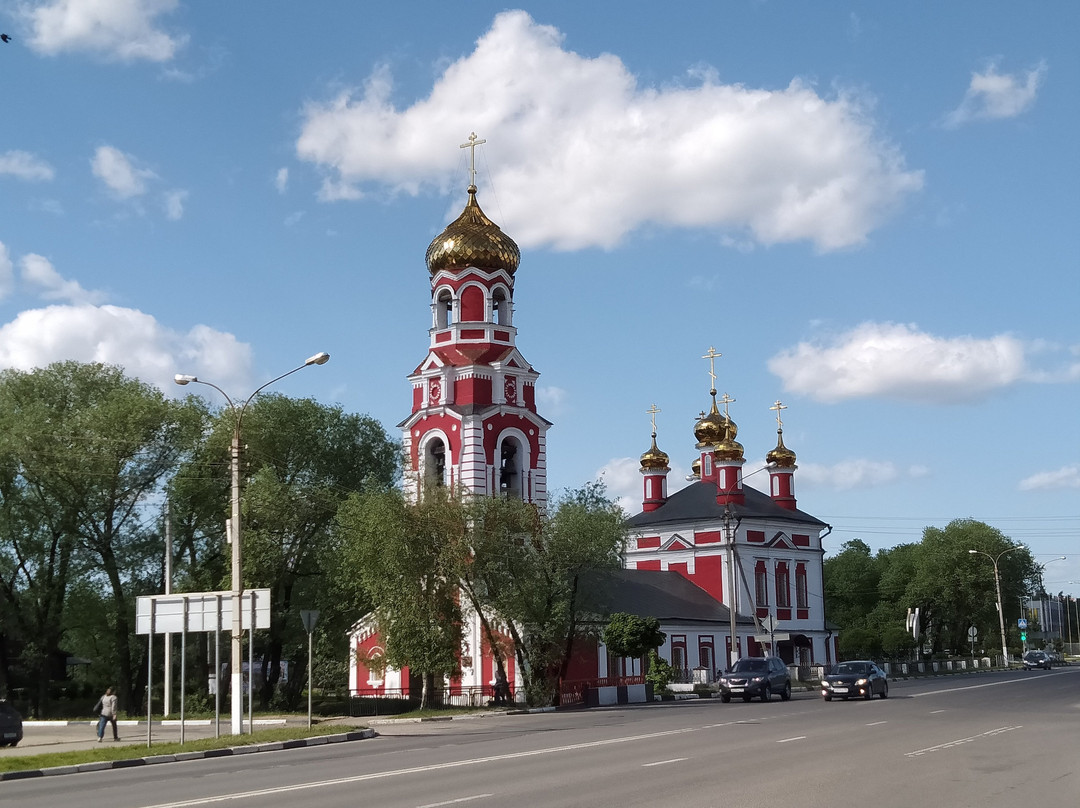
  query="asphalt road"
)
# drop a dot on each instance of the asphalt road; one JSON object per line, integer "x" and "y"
{"x": 987, "y": 740}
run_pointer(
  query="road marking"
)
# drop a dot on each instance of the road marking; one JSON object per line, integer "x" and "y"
{"x": 875, "y": 723}
{"x": 796, "y": 738}
{"x": 959, "y": 741}
{"x": 360, "y": 778}
{"x": 935, "y": 712}
{"x": 662, "y": 762}
{"x": 457, "y": 801}
{"x": 976, "y": 687}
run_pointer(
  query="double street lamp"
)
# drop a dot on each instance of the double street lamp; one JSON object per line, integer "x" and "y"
{"x": 236, "y": 655}
{"x": 997, "y": 587}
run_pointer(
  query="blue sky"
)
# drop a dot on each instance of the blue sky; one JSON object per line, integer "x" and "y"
{"x": 869, "y": 209}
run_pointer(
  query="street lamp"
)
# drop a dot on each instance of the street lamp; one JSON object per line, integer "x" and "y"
{"x": 729, "y": 534}
{"x": 997, "y": 587}
{"x": 236, "y": 655}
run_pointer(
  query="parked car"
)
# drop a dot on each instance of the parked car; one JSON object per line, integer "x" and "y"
{"x": 755, "y": 676}
{"x": 1036, "y": 659}
{"x": 10, "y": 725}
{"x": 860, "y": 678}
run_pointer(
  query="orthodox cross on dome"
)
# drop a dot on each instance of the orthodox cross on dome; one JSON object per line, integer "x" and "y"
{"x": 471, "y": 146}
{"x": 652, "y": 416}
{"x": 712, "y": 356}
{"x": 778, "y": 407}
{"x": 725, "y": 401}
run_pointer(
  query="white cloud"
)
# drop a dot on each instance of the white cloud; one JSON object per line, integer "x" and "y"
{"x": 855, "y": 473}
{"x": 119, "y": 172}
{"x": 125, "y": 337}
{"x": 25, "y": 166}
{"x": 37, "y": 271}
{"x": 552, "y": 400}
{"x": 120, "y": 30}
{"x": 582, "y": 155}
{"x": 622, "y": 479}
{"x": 993, "y": 96}
{"x": 174, "y": 204}
{"x": 7, "y": 272}
{"x": 281, "y": 181}
{"x": 1062, "y": 478}
{"x": 889, "y": 360}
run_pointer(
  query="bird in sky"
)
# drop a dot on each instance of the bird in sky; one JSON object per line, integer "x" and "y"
{"x": 5, "y": 37}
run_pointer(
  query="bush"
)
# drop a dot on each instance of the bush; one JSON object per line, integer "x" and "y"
{"x": 659, "y": 674}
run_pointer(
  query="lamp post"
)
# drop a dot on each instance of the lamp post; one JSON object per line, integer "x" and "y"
{"x": 236, "y": 655}
{"x": 997, "y": 588}
{"x": 729, "y": 534}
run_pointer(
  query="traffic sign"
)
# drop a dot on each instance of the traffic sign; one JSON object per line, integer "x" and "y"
{"x": 1022, "y": 623}
{"x": 973, "y": 633}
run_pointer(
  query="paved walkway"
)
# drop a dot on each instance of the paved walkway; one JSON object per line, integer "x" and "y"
{"x": 61, "y": 736}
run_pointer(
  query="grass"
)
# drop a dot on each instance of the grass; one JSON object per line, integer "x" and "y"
{"x": 78, "y": 757}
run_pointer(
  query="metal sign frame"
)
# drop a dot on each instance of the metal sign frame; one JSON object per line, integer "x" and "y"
{"x": 200, "y": 612}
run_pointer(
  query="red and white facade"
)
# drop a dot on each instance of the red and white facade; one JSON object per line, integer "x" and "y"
{"x": 755, "y": 553}
{"x": 474, "y": 425}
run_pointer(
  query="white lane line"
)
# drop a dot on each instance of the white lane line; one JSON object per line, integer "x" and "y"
{"x": 663, "y": 762}
{"x": 360, "y": 778}
{"x": 796, "y": 738}
{"x": 457, "y": 801}
{"x": 976, "y": 687}
{"x": 875, "y": 723}
{"x": 935, "y": 712}
{"x": 959, "y": 741}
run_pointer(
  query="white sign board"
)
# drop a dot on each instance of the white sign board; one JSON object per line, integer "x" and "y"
{"x": 200, "y": 612}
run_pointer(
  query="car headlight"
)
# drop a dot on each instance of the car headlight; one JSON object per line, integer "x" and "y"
{"x": 861, "y": 682}
{"x": 758, "y": 679}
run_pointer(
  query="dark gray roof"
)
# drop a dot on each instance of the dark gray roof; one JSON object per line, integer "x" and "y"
{"x": 663, "y": 594}
{"x": 697, "y": 503}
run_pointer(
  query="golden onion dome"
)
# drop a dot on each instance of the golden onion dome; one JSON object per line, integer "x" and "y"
{"x": 654, "y": 459}
{"x": 710, "y": 428}
{"x": 781, "y": 456}
{"x": 695, "y": 467}
{"x": 473, "y": 240}
{"x": 727, "y": 448}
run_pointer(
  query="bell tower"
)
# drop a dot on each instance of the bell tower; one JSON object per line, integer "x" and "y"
{"x": 474, "y": 424}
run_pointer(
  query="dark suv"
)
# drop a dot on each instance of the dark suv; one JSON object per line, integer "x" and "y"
{"x": 755, "y": 676}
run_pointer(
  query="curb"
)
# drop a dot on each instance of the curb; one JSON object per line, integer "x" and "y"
{"x": 102, "y": 765}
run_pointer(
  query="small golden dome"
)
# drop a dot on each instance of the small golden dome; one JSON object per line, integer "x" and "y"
{"x": 710, "y": 428}
{"x": 654, "y": 459}
{"x": 781, "y": 456}
{"x": 695, "y": 467}
{"x": 727, "y": 448}
{"x": 473, "y": 240}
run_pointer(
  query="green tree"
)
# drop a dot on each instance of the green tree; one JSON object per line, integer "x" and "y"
{"x": 400, "y": 556}
{"x": 539, "y": 591}
{"x": 96, "y": 446}
{"x": 301, "y": 460}
{"x": 627, "y": 635}
{"x": 851, "y": 585}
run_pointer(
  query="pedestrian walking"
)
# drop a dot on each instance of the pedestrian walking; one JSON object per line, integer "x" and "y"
{"x": 107, "y": 715}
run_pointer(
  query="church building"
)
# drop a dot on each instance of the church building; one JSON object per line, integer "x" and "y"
{"x": 474, "y": 426}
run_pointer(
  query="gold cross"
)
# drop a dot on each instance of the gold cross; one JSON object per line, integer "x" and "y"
{"x": 652, "y": 415}
{"x": 471, "y": 145}
{"x": 778, "y": 406}
{"x": 712, "y": 356}
{"x": 725, "y": 401}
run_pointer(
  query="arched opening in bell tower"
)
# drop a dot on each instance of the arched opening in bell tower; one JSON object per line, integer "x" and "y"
{"x": 434, "y": 463}
{"x": 510, "y": 469}
{"x": 444, "y": 309}
{"x": 500, "y": 307}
